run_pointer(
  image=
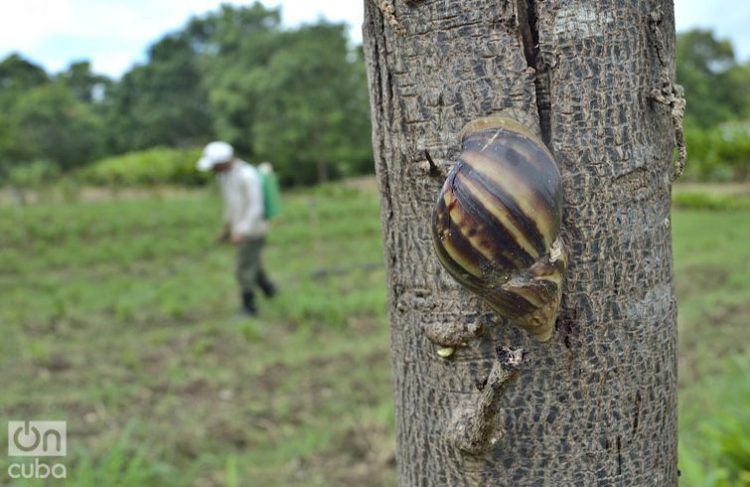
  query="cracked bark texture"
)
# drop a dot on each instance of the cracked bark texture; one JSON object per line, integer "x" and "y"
{"x": 597, "y": 404}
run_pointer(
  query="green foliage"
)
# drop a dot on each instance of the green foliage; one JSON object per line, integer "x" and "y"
{"x": 27, "y": 176}
{"x": 149, "y": 167}
{"x": 44, "y": 119}
{"x": 48, "y": 122}
{"x": 703, "y": 157}
{"x": 718, "y": 154}
{"x": 717, "y": 88}
{"x": 699, "y": 200}
{"x": 718, "y": 453}
{"x": 18, "y": 74}
{"x": 312, "y": 107}
{"x": 734, "y": 149}
{"x": 85, "y": 85}
{"x": 297, "y": 98}
{"x": 163, "y": 102}
{"x": 32, "y": 175}
{"x": 233, "y": 46}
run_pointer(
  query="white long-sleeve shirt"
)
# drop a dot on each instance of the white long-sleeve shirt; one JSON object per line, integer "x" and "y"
{"x": 242, "y": 189}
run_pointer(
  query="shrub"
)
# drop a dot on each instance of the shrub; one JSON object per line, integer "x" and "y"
{"x": 32, "y": 174}
{"x": 149, "y": 167}
{"x": 718, "y": 154}
{"x": 29, "y": 176}
{"x": 734, "y": 149}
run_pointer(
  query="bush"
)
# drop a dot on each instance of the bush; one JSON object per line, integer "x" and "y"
{"x": 32, "y": 174}
{"x": 718, "y": 154}
{"x": 734, "y": 149}
{"x": 149, "y": 167}
{"x": 29, "y": 176}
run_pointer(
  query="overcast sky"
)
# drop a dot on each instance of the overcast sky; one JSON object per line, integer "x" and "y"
{"x": 114, "y": 34}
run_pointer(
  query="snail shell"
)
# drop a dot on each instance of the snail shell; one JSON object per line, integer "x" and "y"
{"x": 496, "y": 224}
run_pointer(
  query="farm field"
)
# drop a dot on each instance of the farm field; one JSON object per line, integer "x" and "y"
{"x": 121, "y": 317}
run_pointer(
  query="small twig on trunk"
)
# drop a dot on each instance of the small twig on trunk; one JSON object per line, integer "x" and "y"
{"x": 473, "y": 428}
{"x": 432, "y": 169}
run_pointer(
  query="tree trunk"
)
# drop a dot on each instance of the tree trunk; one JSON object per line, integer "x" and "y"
{"x": 596, "y": 405}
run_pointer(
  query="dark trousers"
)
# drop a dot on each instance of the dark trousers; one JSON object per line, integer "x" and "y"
{"x": 249, "y": 267}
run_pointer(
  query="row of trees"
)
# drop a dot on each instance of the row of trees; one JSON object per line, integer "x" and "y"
{"x": 295, "y": 97}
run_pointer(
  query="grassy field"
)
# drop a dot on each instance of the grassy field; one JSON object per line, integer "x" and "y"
{"x": 121, "y": 317}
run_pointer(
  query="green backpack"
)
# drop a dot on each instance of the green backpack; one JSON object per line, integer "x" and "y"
{"x": 271, "y": 195}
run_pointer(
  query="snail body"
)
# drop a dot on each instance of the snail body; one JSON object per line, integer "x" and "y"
{"x": 496, "y": 224}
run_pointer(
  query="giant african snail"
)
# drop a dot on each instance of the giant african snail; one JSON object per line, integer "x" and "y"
{"x": 496, "y": 224}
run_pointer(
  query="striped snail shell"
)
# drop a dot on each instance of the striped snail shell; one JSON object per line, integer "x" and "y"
{"x": 496, "y": 224}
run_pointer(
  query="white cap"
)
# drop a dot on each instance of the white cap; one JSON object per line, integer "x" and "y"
{"x": 215, "y": 153}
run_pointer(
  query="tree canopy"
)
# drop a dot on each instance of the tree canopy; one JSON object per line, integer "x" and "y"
{"x": 717, "y": 86}
{"x": 295, "y": 97}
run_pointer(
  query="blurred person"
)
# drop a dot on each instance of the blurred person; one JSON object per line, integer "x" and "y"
{"x": 244, "y": 217}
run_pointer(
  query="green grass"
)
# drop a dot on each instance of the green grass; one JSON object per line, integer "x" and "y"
{"x": 712, "y": 269}
{"x": 697, "y": 200}
{"x": 121, "y": 318}
{"x": 715, "y": 436}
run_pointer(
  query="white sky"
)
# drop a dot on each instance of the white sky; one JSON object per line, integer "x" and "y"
{"x": 114, "y": 34}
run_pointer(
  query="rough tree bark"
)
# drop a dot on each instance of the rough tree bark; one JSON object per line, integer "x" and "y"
{"x": 597, "y": 404}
